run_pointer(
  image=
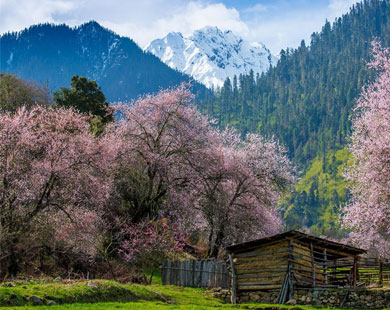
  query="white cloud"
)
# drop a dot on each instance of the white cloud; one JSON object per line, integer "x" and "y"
{"x": 16, "y": 15}
{"x": 256, "y": 9}
{"x": 340, "y": 7}
{"x": 284, "y": 25}
{"x": 278, "y": 23}
{"x": 197, "y": 15}
{"x": 142, "y": 20}
{"x": 185, "y": 19}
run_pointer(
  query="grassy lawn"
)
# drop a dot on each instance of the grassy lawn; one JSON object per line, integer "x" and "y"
{"x": 86, "y": 295}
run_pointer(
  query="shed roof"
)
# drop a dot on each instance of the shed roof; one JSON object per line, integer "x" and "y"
{"x": 296, "y": 235}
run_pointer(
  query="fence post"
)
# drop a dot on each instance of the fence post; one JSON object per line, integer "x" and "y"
{"x": 181, "y": 266}
{"x": 234, "y": 280}
{"x": 326, "y": 266}
{"x": 215, "y": 274}
{"x": 313, "y": 265}
{"x": 380, "y": 271}
{"x": 168, "y": 272}
{"x": 355, "y": 270}
{"x": 193, "y": 274}
{"x": 164, "y": 271}
{"x": 198, "y": 273}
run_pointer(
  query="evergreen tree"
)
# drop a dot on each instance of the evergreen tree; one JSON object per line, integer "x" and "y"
{"x": 86, "y": 97}
{"x": 307, "y": 98}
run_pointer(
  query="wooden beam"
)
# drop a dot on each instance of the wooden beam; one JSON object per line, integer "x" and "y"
{"x": 260, "y": 258}
{"x": 234, "y": 280}
{"x": 326, "y": 266}
{"x": 330, "y": 251}
{"x": 283, "y": 290}
{"x": 355, "y": 270}
{"x": 259, "y": 276}
{"x": 274, "y": 281}
{"x": 248, "y": 248}
{"x": 251, "y": 270}
{"x": 258, "y": 287}
{"x": 264, "y": 250}
{"x": 313, "y": 268}
{"x": 290, "y": 271}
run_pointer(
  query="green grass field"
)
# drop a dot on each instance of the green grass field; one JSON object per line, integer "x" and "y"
{"x": 107, "y": 295}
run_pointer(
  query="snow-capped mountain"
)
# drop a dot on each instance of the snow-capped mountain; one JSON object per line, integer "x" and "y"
{"x": 52, "y": 54}
{"x": 210, "y": 55}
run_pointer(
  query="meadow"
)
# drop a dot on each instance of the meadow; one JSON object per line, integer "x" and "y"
{"x": 104, "y": 294}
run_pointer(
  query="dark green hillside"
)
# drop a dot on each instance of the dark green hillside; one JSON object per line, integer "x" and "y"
{"x": 52, "y": 54}
{"x": 306, "y": 100}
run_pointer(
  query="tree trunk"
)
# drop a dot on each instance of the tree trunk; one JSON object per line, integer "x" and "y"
{"x": 4, "y": 267}
{"x": 210, "y": 243}
{"x": 151, "y": 277}
{"x": 107, "y": 259}
{"x": 13, "y": 263}
{"x": 217, "y": 244}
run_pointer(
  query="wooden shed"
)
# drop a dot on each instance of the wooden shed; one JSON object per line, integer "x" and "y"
{"x": 290, "y": 261}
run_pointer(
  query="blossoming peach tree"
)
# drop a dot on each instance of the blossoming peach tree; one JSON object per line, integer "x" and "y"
{"x": 368, "y": 211}
{"x": 174, "y": 163}
{"x": 162, "y": 159}
{"x": 51, "y": 168}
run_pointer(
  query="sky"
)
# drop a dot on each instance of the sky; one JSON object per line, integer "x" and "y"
{"x": 276, "y": 23}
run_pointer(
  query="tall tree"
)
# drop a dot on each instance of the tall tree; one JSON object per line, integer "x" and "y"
{"x": 157, "y": 134}
{"x": 236, "y": 184}
{"x": 49, "y": 165}
{"x": 368, "y": 211}
{"x": 173, "y": 163}
{"x": 16, "y": 93}
{"x": 86, "y": 96}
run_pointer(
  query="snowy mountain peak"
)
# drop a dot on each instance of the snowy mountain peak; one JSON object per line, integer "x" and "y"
{"x": 211, "y": 55}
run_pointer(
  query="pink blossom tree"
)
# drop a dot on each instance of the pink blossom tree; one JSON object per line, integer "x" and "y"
{"x": 173, "y": 163}
{"x": 147, "y": 244}
{"x": 157, "y": 135}
{"x": 236, "y": 184}
{"x": 51, "y": 168}
{"x": 368, "y": 211}
{"x": 162, "y": 159}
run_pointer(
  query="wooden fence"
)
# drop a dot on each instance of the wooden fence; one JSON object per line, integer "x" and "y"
{"x": 374, "y": 270}
{"x": 212, "y": 273}
{"x": 371, "y": 270}
{"x": 196, "y": 273}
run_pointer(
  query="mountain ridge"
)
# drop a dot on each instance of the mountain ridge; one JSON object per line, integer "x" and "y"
{"x": 211, "y": 56}
{"x": 51, "y": 54}
{"x": 306, "y": 102}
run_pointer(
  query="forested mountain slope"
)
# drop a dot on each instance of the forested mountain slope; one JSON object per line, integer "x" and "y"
{"x": 306, "y": 100}
{"x": 52, "y": 54}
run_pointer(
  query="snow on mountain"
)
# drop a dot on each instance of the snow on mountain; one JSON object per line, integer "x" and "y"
{"x": 51, "y": 54}
{"x": 210, "y": 55}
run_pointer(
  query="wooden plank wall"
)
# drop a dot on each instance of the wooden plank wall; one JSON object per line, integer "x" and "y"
{"x": 195, "y": 273}
{"x": 307, "y": 271}
{"x": 262, "y": 268}
{"x": 265, "y": 267}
